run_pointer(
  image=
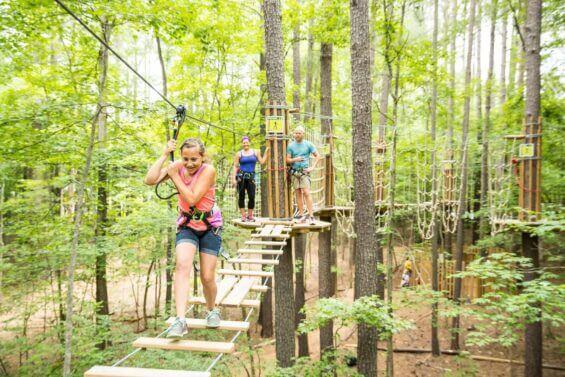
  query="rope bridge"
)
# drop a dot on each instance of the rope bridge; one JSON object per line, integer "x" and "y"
{"x": 234, "y": 288}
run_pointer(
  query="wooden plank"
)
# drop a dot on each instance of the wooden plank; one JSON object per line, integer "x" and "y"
{"x": 279, "y": 236}
{"x": 270, "y": 243}
{"x": 267, "y": 229}
{"x": 254, "y": 261}
{"x": 196, "y": 323}
{"x": 184, "y": 345}
{"x": 224, "y": 287}
{"x": 103, "y": 371}
{"x": 260, "y": 288}
{"x": 277, "y": 231}
{"x": 260, "y": 251}
{"x": 239, "y": 292}
{"x": 245, "y": 303}
{"x": 263, "y": 274}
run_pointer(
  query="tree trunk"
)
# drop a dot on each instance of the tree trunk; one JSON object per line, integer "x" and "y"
{"x": 266, "y": 309}
{"x": 532, "y": 169}
{"x": 435, "y": 225}
{"x": 451, "y": 115}
{"x": 476, "y": 194}
{"x": 364, "y": 213}
{"x": 296, "y": 69}
{"x": 73, "y": 257}
{"x": 463, "y": 186}
{"x": 299, "y": 247}
{"x": 284, "y": 297}
{"x": 326, "y": 282}
{"x": 170, "y": 235}
{"x": 309, "y": 73}
{"x": 102, "y": 308}
{"x": 484, "y": 218}
{"x": 503, "y": 54}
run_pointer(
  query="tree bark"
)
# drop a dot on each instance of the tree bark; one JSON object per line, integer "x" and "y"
{"x": 364, "y": 213}
{"x": 284, "y": 297}
{"x": 532, "y": 169}
{"x": 296, "y": 69}
{"x": 102, "y": 308}
{"x": 435, "y": 225}
{"x": 484, "y": 218}
{"x": 73, "y": 257}
{"x": 309, "y": 73}
{"x": 463, "y": 186}
{"x": 299, "y": 248}
{"x": 325, "y": 279}
{"x": 503, "y": 53}
{"x": 266, "y": 309}
{"x": 451, "y": 115}
{"x": 169, "y": 240}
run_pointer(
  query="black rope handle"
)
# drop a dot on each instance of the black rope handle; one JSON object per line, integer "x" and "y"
{"x": 178, "y": 120}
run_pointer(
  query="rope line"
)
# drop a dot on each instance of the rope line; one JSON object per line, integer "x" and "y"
{"x": 195, "y": 119}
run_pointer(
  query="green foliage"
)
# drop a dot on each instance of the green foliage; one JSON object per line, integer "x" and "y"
{"x": 510, "y": 302}
{"x": 370, "y": 311}
{"x": 332, "y": 363}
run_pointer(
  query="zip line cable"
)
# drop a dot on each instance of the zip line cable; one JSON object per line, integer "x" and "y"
{"x": 138, "y": 74}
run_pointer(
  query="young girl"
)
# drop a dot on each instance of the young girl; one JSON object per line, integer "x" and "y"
{"x": 199, "y": 226}
{"x": 243, "y": 176}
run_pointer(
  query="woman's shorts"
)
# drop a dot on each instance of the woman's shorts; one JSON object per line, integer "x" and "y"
{"x": 208, "y": 242}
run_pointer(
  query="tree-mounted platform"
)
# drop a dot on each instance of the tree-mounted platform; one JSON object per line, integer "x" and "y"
{"x": 295, "y": 228}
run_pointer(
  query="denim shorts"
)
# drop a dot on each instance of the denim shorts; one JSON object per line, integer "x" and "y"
{"x": 208, "y": 242}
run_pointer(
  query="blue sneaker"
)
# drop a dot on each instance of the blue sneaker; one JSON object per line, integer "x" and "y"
{"x": 178, "y": 329}
{"x": 213, "y": 318}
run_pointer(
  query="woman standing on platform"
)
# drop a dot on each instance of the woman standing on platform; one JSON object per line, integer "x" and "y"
{"x": 199, "y": 226}
{"x": 243, "y": 176}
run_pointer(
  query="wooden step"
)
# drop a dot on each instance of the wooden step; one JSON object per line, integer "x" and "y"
{"x": 247, "y": 303}
{"x": 196, "y": 323}
{"x": 184, "y": 345}
{"x": 260, "y": 251}
{"x": 254, "y": 261}
{"x": 270, "y": 243}
{"x": 264, "y": 274}
{"x": 224, "y": 287}
{"x": 260, "y": 288}
{"x": 278, "y": 230}
{"x": 102, "y": 371}
{"x": 281, "y": 236}
{"x": 237, "y": 295}
{"x": 267, "y": 229}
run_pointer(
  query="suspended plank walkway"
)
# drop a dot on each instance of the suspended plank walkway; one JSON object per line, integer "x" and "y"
{"x": 233, "y": 291}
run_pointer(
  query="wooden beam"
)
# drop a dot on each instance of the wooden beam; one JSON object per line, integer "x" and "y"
{"x": 184, "y": 345}
{"x": 264, "y": 274}
{"x": 254, "y": 261}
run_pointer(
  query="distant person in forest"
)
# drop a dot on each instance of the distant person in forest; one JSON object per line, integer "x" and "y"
{"x": 406, "y": 273}
{"x": 199, "y": 226}
{"x": 298, "y": 155}
{"x": 243, "y": 176}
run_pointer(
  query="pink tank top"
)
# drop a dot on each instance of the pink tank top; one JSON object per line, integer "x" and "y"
{"x": 205, "y": 203}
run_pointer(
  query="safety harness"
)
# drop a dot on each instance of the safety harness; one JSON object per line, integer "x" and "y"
{"x": 242, "y": 175}
{"x": 196, "y": 215}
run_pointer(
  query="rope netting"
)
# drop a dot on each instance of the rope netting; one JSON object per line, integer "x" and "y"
{"x": 503, "y": 189}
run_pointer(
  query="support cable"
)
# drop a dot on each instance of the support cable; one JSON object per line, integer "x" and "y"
{"x": 138, "y": 74}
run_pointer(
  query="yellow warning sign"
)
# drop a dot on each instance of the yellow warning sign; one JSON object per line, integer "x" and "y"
{"x": 274, "y": 124}
{"x": 526, "y": 150}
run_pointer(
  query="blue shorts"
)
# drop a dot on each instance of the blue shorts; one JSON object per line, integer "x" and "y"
{"x": 208, "y": 242}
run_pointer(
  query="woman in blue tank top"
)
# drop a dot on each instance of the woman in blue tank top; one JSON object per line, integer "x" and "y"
{"x": 243, "y": 176}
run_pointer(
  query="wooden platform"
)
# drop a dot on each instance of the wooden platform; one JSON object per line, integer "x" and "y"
{"x": 254, "y": 261}
{"x": 318, "y": 226}
{"x": 102, "y": 371}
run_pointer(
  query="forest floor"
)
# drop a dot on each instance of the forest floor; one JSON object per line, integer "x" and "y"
{"x": 126, "y": 295}
{"x": 423, "y": 364}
